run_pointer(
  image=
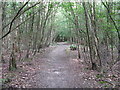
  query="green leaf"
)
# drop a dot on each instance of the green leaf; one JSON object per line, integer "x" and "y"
{"x": 102, "y": 82}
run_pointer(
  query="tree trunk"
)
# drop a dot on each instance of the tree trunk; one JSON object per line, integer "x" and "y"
{"x": 94, "y": 26}
{"x": 12, "y": 61}
{"x": 0, "y": 42}
{"x": 93, "y": 66}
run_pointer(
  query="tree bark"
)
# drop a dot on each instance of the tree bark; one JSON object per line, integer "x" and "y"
{"x": 93, "y": 65}
{"x": 94, "y": 27}
{"x": 0, "y": 42}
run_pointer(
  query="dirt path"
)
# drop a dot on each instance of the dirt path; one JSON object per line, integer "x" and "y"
{"x": 60, "y": 71}
{"x": 54, "y": 67}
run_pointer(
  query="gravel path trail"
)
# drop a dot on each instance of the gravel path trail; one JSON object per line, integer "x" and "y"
{"x": 60, "y": 71}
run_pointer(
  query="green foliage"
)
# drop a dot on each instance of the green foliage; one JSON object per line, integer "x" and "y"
{"x": 73, "y": 47}
{"x": 28, "y": 13}
{"x": 118, "y": 7}
{"x": 50, "y": 5}
{"x": 106, "y": 86}
{"x": 6, "y": 80}
{"x": 61, "y": 24}
{"x": 67, "y": 5}
{"x": 99, "y": 75}
{"x": 103, "y": 82}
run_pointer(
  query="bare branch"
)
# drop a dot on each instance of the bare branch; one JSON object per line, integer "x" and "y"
{"x": 14, "y": 19}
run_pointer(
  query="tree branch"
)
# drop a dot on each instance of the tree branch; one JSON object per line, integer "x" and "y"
{"x": 22, "y": 13}
{"x": 112, "y": 19}
{"x": 14, "y": 19}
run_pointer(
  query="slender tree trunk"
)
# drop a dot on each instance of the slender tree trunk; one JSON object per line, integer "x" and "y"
{"x": 0, "y": 43}
{"x": 77, "y": 29}
{"x": 12, "y": 61}
{"x": 88, "y": 37}
{"x": 2, "y": 22}
{"x": 96, "y": 40}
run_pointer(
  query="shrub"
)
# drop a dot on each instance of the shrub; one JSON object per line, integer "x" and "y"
{"x": 73, "y": 47}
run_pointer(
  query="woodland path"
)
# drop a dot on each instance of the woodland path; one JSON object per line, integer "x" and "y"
{"x": 59, "y": 70}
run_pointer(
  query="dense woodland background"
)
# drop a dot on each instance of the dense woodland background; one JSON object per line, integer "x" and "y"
{"x": 93, "y": 27}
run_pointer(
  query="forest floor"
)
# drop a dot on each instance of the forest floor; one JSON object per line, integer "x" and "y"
{"x": 56, "y": 67}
